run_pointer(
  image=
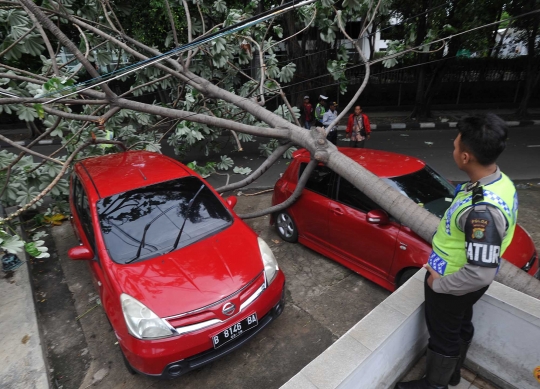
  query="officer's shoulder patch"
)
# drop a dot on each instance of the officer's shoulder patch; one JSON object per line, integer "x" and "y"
{"x": 478, "y": 227}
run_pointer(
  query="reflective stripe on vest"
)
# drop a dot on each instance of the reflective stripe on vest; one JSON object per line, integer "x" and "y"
{"x": 449, "y": 255}
{"x": 321, "y": 112}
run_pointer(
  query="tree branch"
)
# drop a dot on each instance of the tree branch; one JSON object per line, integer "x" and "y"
{"x": 72, "y": 116}
{"x": 22, "y": 154}
{"x": 26, "y": 150}
{"x": 52, "y": 54}
{"x": 65, "y": 166}
{"x": 272, "y": 158}
{"x": 205, "y": 119}
{"x": 364, "y": 82}
{"x": 17, "y": 41}
{"x": 173, "y": 26}
{"x": 291, "y": 200}
{"x": 64, "y": 40}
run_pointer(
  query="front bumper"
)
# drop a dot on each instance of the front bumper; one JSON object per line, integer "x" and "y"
{"x": 172, "y": 357}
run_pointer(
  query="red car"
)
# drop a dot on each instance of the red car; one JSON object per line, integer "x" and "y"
{"x": 181, "y": 278}
{"x": 335, "y": 219}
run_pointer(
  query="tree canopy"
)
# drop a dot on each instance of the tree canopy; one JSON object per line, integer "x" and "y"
{"x": 59, "y": 61}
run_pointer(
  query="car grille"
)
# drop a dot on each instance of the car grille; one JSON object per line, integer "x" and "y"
{"x": 211, "y": 315}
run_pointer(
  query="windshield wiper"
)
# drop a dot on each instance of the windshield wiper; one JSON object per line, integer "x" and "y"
{"x": 146, "y": 227}
{"x": 185, "y": 219}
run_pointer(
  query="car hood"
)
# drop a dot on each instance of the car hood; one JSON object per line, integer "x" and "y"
{"x": 194, "y": 276}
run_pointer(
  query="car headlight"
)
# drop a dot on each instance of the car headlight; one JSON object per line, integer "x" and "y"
{"x": 269, "y": 261}
{"x": 142, "y": 322}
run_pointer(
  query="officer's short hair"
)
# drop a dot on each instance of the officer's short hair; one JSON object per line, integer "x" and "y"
{"x": 484, "y": 136}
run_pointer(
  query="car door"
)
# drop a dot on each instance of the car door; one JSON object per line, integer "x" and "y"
{"x": 311, "y": 210}
{"x": 370, "y": 246}
{"x": 86, "y": 230}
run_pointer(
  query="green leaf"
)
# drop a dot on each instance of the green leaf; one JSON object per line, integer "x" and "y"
{"x": 39, "y": 110}
{"x": 16, "y": 17}
{"x": 18, "y": 31}
{"x": 32, "y": 45}
{"x": 25, "y": 195}
{"x": 287, "y": 72}
{"x": 220, "y": 6}
{"x": 278, "y": 30}
{"x": 12, "y": 244}
{"x": 242, "y": 170}
{"x": 225, "y": 163}
{"x": 25, "y": 113}
{"x": 288, "y": 154}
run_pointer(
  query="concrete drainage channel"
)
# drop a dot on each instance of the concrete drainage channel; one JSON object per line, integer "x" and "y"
{"x": 384, "y": 345}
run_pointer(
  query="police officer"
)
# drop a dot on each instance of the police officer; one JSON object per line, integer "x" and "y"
{"x": 320, "y": 109}
{"x": 467, "y": 247}
{"x": 328, "y": 117}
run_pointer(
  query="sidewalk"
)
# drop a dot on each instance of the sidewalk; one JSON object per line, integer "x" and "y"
{"x": 22, "y": 362}
{"x": 443, "y": 119}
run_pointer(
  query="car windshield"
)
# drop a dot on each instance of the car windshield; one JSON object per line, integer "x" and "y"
{"x": 161, "y": 209}
{"x": 426, "y": 188}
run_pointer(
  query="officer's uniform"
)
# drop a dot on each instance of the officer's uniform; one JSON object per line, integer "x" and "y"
{"x": 471, "y": 237}
{"x": 329, "y": 117}
{"x": 319, "y": 113}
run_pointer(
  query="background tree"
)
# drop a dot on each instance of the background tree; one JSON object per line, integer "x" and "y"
{"x": 208, "y": 88}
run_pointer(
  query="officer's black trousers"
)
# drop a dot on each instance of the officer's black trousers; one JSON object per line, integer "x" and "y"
{"x": 448, "y": 319}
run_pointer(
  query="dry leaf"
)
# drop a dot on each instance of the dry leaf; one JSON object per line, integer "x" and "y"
{"x": 55, "y": 220}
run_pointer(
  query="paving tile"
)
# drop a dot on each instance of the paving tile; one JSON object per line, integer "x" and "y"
{"x": 377, "y": 326}
{"x": 330, "y": 368}
{"x": 407, "y": 300}
{"x": 299, "y": 381}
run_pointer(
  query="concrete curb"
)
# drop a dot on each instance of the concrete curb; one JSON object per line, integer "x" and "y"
{"x": 22, "y": 357}
{"x": 440, "y": 125}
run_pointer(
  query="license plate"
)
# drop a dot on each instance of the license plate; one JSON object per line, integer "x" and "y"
{"x": 235, "y": 331}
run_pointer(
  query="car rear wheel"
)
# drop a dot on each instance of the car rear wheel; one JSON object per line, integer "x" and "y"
{"x": 405, "y": 276}
{"x": 286, "y": 228}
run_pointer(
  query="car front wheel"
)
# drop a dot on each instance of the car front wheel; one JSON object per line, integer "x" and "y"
{"x": 286, "y": 228}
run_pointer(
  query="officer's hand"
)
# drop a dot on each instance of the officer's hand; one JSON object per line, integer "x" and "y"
{"x": 432, "y": 275}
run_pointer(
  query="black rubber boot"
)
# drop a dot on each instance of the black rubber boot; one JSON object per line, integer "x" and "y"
{"x": 439, "y": 369}
{"x": 463, "y": 348}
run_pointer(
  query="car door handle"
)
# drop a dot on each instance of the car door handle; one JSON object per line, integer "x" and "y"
{"x": 338, "y": 211}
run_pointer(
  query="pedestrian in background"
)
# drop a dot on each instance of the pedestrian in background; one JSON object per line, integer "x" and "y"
{"x": 307, "y": 112}
{"x": 358, "y": 128}
{"x": 328, "y": 118}
{"x": 467, "y": 248}
{"x": 320, "y": 110}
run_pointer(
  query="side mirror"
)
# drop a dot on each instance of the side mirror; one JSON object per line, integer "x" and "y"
{"x": 80, "y": 253}
{"x": 231, "y": 201}
{"x": 377, "y": 216}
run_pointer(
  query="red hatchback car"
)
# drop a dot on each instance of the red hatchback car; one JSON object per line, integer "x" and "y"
{"x": 335, "y": 219}
{"x": 181, "y": 278}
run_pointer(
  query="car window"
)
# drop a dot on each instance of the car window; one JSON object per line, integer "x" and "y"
{"x": 82, "y": 207}
{"x": 427, "y": 188}
{"x": 320, "y": 180}
{"x": 350, "y": 195}
{"x": 161, "y": 209}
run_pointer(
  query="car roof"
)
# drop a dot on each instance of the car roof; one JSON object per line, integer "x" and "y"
{"x": 116, "y": 173}
{"x": 383, "y": 164}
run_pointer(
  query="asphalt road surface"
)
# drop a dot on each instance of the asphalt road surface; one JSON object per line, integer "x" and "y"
{"x": 520, "y": 160}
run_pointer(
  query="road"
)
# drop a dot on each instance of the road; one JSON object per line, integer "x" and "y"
{"x": 520, "y": 161}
